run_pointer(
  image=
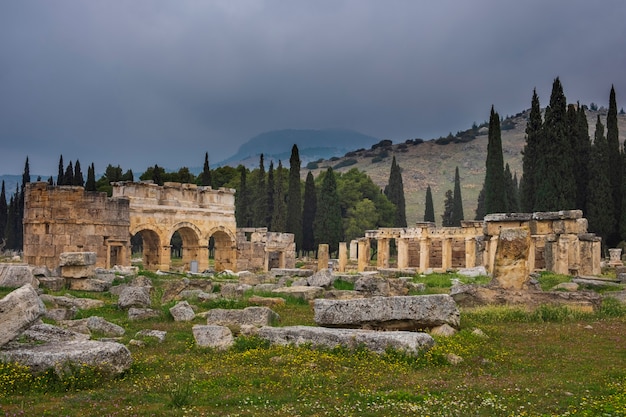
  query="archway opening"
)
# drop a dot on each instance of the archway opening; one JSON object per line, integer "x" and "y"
{"x": 145, "y": 246}
{"x": 184, "y": 252}
{"x": 223, "y": 251}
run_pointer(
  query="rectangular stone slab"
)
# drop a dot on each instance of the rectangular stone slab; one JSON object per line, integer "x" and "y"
{"x": 389, "y": 313}
{"x": 19, "y": 310}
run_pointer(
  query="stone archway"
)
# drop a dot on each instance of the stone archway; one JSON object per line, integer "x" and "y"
{"x": 195, "y": 248}
{"x": 152, "y": 247}
{"x": 225, "y": 249}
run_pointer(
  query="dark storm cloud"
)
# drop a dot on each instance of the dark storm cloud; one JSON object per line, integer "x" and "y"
{"x": 144, "y": 82}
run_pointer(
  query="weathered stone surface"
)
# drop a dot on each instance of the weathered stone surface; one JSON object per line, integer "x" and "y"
{"x": 291, "y": 272}
{"x": 78, "y": 272}
{"x": 443, "y": 330}
{"x": 342, "y": 294}
{"x": 46, "y": 333}
{"x": 135, "y": 314}
{"x": 372, "y": 285}
{"x": 247, "y": 277}
{"x": 171, "y": 291}
{"x": 18, "y": 310}
{"x": 40, "y": 271}
{"x": 566, "y": 286}
{"x": 60, "y": 314}
{"x": 109, "y": 356}
{"x": 252, "y": 316}
{"x": 134, "y": 297}
{"x": 217, "y": 337}
{"x": 393, "y": 313}
{"x": 100, "y": 325}
{"x": 69, "y": 301}
{"x": 89, "y": 284}
{"x": 473, "y": 272}
{"x": 16, "y": 275}
{"x": 595, "y": 282}
{"x": 267, "y": 287}
{"x": 266, "y": 301}
{"x": 234, "y": 290}
{"x": 511, "y": 269}
{"x": 410, "y": 342}
{"x": 77, "y": 259}
{"x": 322, "y": 278}
{"x": 182, "y": 311}
{"x": 307, "y": 293}
{"x": 52, "y": 283}
{"x": 159, "y": 335}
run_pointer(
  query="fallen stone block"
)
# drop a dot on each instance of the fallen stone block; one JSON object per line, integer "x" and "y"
{"x": 410, "y": 342}
{"x": 252, "y": 316}
{"x": 16, "y": 276}
{"x": 135, "y": 314}
{"x": 88, "y": 284}
{"x": 52, "y": 283}
{"x": 291, "y": 272}
{"x": 100, "y": 325}
{"x": 134, "y": 297}
{"x": 306, "y": 293}
{"x": 60, "y": 314}
{"x": 159, "y": 335}
{"x": 19, "y": 310}
{"x": 47, "y": 333}
{"x": 111, "y": 357}
{"x": 182, "y": 312}
{"x": 69, "y": 301}
{"x": 217, "y": 337}
{"x": 322, "y": 278}
{"x": 389, "y": 313}
{"x": 266, "y": 301}
{"x": 77, "y": 259}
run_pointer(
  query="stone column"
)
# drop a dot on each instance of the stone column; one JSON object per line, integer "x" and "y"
{"x": 532, "y": 253}
{"x": 561, "y": 265}
{"x": 403, "y": 253}
{"x": 446, "y": 253}
{"x": 164, "y": 256}
{"x": 424, "y": 254}
{"x": 470, "y": 252}
{"x": 354, "y": 250}
{"x": 343, "y": 256}
{"x": 203, "y": 257}
{"x": 382, "y": 258}
{"x": 364, "y": 254}
{"x": 322, "y": 257}
{"x": 615, "y": 257}
{"x": 491, "y": 253}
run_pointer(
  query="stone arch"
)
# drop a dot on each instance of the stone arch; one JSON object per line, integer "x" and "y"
{"x": 225, "y": 248}
{"x": 195, "y": 246}
{"x": 153, "y": 246}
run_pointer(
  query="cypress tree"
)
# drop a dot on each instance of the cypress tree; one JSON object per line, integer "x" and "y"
{"x": 530, "y": 156}
{"x": 205, "y": 176}
{"x": 395, "y": 193}
{"x": 328, "y": 227}
{"x": 512, "y": 201}
{"x": 448, "y": 207}
{"x": 157, "y": 174}
{"x": 78, "y": 175}
{"x": 68, "y": 177}
{"x": 21, "y": 199}
{"x": 495, "y": 190}
{"x": 457, "y": 201}
{"x": 294, "y": 198}
{"x": 308, "y": 214}
{"x": 582, "y": 154}
{"x": 242, "y": 200}
{"x": 480, "y": 206}
{"x": 50, "y": 181}
{"x": 600, "y": 213}
{"x": 279, "y": 220}
{"x": 260, "y": 197}
{"x": 429, "y": 211}
{"x": 128, "y": 176}
{"x": 4, "y": 211}
{"x": 270, "y": 196}
{"x": 91, "y": 178}
{"x": 556, "y": 185}
{"x": 615, "y": 158}
{"x": 60, "y": 175}
{"x": 12, "y": 220}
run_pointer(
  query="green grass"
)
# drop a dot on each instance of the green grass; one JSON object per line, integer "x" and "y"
{"x": 552, "y": 361}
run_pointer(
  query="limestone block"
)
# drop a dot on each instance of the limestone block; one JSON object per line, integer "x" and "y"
{"x": 252, "y": 316}
{"x": 306, "y": 293}
{"x": 389, "y": 313}
{"x": 372, "y": 286}
{"x": 78, "y": 271}
{"x": 182, "y": 311}
{"x": 217, "y": 337}
{"x": 134, "y": 297}
{"x": 61, "y": 314}
{"x": 266, "y": 301}
{"x": 410, "y": 342}
{"x": 135, "y": 314}
{"x": 77, "y": 259}
{"x": 80, "y": 303}
{"x": 46, "y": 333}
{"x": 18, "y": 310}
{"x": 159, "y": 335}
{"x": 88, "y": 284}
{"x": 511, "y": 270}
{"x": 109, "y": 356}
{"x": 100, "y": 325}
{"x": 322, "y": 278}
{"x": 16, "y": 275}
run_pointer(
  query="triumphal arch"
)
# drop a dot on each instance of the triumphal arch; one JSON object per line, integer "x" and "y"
{"x": 61, "y": 219}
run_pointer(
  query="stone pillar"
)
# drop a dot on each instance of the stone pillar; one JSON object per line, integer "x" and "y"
{"x": 446, "y": 253}
{"x": 322, "y": 257}
{"x": 382, "y": 258}
{"x": 364, "y": 254}
{"x": 561, "y": 265}
{"x": 615, "y": 257}
{"x": 203, "y": 257}
{"x": 470, "y": 252}
{"x": 403, "y": 253}
{"x": 532, "y": 253}
{"x": 511, "y": 263}
{"x": 491, "y": 253}
{"x": 354, "y": 250}
{"x": 424, "y": 254}
{"x": 343, "y": 256}
{"x": 164, "y": 256}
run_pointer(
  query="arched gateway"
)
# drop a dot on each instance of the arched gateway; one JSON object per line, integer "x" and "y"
{"x": 196, "y": 213}
{"x": 69, "y": 219}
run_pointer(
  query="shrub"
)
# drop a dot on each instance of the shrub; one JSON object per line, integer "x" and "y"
{"x": 312, "y": 165}
{"x": 345, "y": 163}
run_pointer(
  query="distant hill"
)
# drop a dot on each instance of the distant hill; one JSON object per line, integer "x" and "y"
{"x": 312, "y": 145}
{"x": 433, "y": 162}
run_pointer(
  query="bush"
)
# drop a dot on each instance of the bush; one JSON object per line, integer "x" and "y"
{"x": 345, "y": 163}
{"x": 312, "y": 165}
{"x": 385, "y": 143}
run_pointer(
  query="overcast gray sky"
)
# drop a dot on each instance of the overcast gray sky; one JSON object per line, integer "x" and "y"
{"x": 141, "y": 82}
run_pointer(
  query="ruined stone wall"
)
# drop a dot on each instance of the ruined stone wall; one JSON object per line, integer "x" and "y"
{"x": 260, "y": 250}
{"x": 61, "y": 219}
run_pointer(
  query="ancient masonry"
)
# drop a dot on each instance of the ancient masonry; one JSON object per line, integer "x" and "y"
{"x": 69, "y": 219}
{"x": 559, "y": 242}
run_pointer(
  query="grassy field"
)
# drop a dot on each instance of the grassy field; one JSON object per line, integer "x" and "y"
{"x": 552, "y": 361}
